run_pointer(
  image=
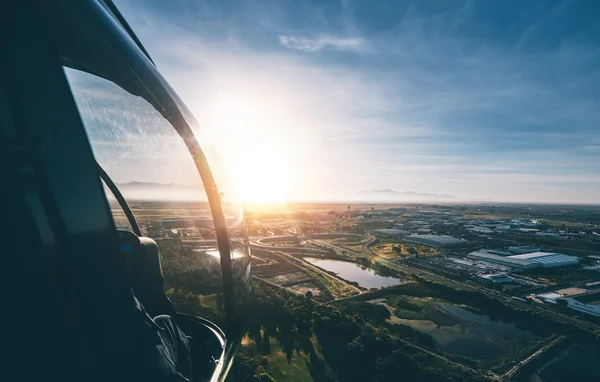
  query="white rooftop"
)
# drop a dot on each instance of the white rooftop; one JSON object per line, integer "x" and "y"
{"x": 438, "y": 238}
{"x": 547, "y": 258}
{"x": 549, "y": 296}
{"x": 391, "y": 231}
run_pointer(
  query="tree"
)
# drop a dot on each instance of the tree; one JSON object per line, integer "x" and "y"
{"x": 308, "y": 295}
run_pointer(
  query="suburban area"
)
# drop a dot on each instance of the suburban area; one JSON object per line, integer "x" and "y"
{"x": 499, "y": 292}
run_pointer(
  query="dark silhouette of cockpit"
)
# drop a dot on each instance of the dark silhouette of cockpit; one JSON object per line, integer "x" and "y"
{"x": 76, "y": 287}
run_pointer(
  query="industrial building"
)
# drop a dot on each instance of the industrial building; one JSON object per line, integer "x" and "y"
{"x": 523, "y": 250}
{"x": 436, "y": 241}
{"x": 390, "y": 232}
{"x": 493, "y": 279}
{"x": 526, "y": 261}
{"x": 480, "y": 229}
{"x": 548, "y": 259}
{"x": 499, "y": 252}
{"x": 455, "y": 266}
{"x": 586, "y": 302}
{"x": 484, "y": 255}
{"x": 581, "y": 307}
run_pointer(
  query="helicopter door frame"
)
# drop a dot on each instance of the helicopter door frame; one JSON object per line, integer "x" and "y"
{"x": 103, "y": 47}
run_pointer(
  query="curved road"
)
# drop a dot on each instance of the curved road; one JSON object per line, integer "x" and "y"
{"x": 366, "y": 245}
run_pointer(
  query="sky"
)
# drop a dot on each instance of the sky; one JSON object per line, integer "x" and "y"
{"x": 483, "y": 100}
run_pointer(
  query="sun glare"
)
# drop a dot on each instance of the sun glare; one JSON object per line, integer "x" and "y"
{"x": 257, "y": 152}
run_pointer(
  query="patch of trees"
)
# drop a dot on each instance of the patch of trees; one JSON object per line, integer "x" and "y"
{"x": 363, "y": 261}
{"x": 355, "y": 342}
{"x": 407, "y": 305}
{"x": 412, "y": 250}
{"x": 383, "y": 270}
{"x": 372, "y": 312}
{"x": 359, "y": 351}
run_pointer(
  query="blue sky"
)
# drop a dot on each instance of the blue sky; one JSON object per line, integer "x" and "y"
{"x": 477, "y": 99}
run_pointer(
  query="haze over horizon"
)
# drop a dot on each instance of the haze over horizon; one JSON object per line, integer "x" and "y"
{"x": 151, "y": 191}
{"x": 306, "y": 100}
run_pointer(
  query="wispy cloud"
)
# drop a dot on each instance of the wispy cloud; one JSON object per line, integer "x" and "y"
{"x": 459, "y": 101}
{"x": 314, "y": 44}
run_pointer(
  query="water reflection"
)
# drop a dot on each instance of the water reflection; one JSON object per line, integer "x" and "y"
{"x": 476, "y": 336}
{"x": 366, "y": 278}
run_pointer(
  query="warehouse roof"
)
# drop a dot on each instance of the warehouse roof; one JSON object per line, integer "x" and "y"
{"x": 438, "y": 238}
{"x": 547, "y": 258}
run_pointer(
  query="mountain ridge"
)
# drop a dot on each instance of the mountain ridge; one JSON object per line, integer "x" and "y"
{"x": 403, "y": 195}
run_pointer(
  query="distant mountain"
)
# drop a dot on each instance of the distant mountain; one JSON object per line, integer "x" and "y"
{"x": 399, "y": 196}
{"x": 161, "y": 191}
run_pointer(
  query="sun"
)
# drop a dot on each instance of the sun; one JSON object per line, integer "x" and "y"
{"x": 257, "y": 152}
{"x": 259, "y": 172}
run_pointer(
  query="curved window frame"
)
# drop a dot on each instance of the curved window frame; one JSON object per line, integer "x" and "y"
{"x": 104, "y": 46}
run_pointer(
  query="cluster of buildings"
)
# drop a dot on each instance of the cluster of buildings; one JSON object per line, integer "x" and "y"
{"x": 458, "y": 231}
{"x": 436, "y": 241}
{"x": 525, "y": 261}
{"x": 577, "y": 299}
{"x": 392, "y": 233}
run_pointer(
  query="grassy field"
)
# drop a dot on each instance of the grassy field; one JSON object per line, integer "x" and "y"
{"x": 353, "y": 247}
{"x": 353, "y": 244}
{"x": 344, "y": 241}
{"x": 334, "y": 286}
{"x": 349, "y": 240}
{"x": 385, "y": 250}
{"x": 283, "y": 244}
{"x": 288, "y": 277}
{"x": 420, "y": 308}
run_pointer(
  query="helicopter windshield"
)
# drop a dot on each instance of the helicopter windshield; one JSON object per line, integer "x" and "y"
{"x": 150, "y": 164}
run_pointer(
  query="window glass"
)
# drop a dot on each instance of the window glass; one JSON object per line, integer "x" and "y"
{"x": 150, "y": 164}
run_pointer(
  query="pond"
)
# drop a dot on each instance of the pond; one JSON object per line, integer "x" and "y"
{"x": 474, "y": 336}
{"x": 366, "y": 278}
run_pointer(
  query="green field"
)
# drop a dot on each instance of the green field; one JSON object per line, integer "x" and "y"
{"x": 278, "y": 366}
{"x": 385, "y": 249}
{"x": 281, "y": 368}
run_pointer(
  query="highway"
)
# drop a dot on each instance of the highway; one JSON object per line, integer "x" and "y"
{"x": 301, "y": 249}
{"x": 366, "y": 245}
{"x": 334, "y": 247}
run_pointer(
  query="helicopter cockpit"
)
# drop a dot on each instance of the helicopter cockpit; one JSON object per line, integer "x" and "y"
{"x": 124, "y": 191}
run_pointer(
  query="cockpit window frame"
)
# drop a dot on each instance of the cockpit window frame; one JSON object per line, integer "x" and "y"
{"x": 103, "y": 47}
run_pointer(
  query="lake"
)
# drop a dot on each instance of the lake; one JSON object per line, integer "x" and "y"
{"x": 475, "y": 336}
{"x": 366, "y": 278}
